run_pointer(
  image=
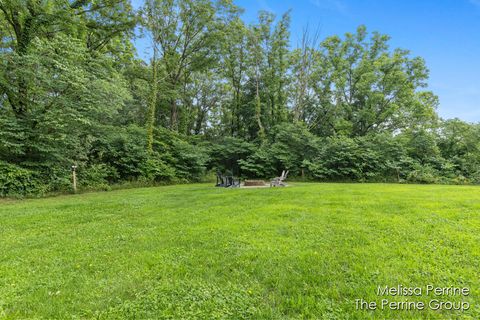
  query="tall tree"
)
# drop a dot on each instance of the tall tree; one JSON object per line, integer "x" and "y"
{"x": 361, "y": 87}
{"x": 56, "y": 87}
{"x": 186, "y": 32}
{"x": 70, "y": 93}
{"x": 151, "y": 22}
{"x": 202, "y": 98}
{"x": 234, "y": 58}
{"x": 97, "y": 23}
{"x": 268, "y": 74}
{"x": 302, "y": 61}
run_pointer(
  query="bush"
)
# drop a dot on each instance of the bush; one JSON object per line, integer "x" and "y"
{"x": 343, "y": 158}
{"x": 122, "y": 149}
{"x": 258, "y": 165}
{"x": 225, "y": 154}
{"x": 18, "y": 182}
{"x": 286, "y": 149}
{"x": 97, "y": 176}
{"x": 155, "y": 170}
{"x": 189, "y": 159}
{"x": 460, "y": 180}
{"x": 423, "y": 174}
{"x": 58, "y": 179}
{"x": 292, "y": 144}
{"x": 475, "y": 177}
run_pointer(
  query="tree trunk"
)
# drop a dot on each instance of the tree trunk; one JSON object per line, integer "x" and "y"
{"x": 173, "y": 115}
{"x": 199, "y": 122}
{"x": 152, "y": 106}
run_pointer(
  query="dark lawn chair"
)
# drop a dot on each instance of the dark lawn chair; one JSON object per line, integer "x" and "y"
{"x": 220, "y": 180}
{"x": 227, "y": 181}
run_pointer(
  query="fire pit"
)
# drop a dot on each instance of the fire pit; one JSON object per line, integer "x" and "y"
{"x": 254, "y": 183}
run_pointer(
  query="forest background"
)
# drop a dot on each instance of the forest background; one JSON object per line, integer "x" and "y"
{"x": 218, "y": 94}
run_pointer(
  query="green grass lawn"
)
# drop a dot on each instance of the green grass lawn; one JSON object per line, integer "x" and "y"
{"x": 199, "y": 252}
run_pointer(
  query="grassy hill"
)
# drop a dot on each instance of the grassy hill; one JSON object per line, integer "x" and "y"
{"x": 199, "y": 252}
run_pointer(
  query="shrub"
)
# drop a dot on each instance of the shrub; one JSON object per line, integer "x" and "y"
{"x": 460, "y": 180}
{"x": 16, "y": 181}
{"x": 97, "y": 176}
{"x": 258, "y": 165}
{"x": 475, "y": 177}
{"x": 58, "y": 179}
{"x": 123, "y": 149}
{"x": 155, "y": 170}
{"x": 225, "y": 154}
{"x": 188, "y": 159}
{"x": 292, "y": 144}
{"x": 423, "y": 174}
{"x": 343, "y": 158}
{"x": 286, "y": 149}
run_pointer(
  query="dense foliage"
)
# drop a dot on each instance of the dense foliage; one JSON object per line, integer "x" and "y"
{"x": 217, "y": 95}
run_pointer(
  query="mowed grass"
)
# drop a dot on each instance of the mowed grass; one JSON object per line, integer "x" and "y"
{"x": 198, "y": 252}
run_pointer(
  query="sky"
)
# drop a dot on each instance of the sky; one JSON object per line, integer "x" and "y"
{"x": 446, "y": 33}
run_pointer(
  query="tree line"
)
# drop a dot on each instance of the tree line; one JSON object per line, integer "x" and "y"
{"x": 217, "y": 94}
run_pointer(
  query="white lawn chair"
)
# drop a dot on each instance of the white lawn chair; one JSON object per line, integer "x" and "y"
{"x": 279, "y": 181}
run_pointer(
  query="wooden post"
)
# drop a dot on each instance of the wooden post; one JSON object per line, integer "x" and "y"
{"x": 74, "y": 179}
